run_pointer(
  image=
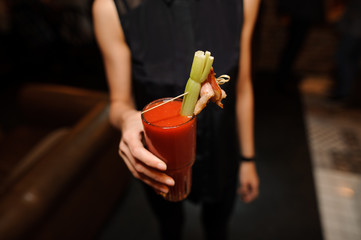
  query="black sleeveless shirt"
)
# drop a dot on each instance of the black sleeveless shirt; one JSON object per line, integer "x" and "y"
{"x": 163, "y": 36}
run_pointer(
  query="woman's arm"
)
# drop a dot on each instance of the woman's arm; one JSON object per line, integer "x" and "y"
{"x": 123, "y": 115}
{"x": 244, "y": 105}
{"x": 116, "y": 58}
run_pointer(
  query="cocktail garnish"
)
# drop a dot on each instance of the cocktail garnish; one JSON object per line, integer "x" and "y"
{"x": 172, "y": 99}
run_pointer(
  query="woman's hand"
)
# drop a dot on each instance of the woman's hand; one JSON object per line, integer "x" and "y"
{"x": 141, "y": 163}
{"x": 249, "y": 182}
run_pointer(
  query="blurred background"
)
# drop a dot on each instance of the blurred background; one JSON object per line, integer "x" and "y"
{"x": 61, "y": 178}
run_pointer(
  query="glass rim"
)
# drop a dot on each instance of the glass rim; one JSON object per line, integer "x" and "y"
{"x": 164, "y": 127}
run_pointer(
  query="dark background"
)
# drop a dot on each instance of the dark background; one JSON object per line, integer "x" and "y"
{"x": 53, "y": 42}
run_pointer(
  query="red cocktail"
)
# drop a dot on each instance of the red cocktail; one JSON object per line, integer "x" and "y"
{"x": 172, "y": 138}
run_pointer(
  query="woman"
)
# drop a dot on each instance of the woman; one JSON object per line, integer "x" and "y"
{"x": 147, "y": 48}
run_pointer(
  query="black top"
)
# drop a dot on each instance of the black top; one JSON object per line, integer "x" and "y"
{"x": 163, "y": 36}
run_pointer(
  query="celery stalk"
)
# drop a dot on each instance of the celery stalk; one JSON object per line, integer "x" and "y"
{"x": 189, "y": 102}
{"x": 202, "y": 63}
{"x": 198, "y": 65}
{"x": 207, "y": 68}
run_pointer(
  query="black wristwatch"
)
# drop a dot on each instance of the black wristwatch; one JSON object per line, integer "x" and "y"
{"x": 241, "y": 158}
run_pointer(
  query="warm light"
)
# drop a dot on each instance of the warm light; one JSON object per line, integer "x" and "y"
{"x": 29, "y": 197}
{"x": 346, "y": 192}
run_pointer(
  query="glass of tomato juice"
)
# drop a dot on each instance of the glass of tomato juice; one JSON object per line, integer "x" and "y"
{"x": 172, "y": 138}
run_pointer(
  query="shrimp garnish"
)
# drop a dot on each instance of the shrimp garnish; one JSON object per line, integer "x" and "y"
{"x": 210, "y": 90}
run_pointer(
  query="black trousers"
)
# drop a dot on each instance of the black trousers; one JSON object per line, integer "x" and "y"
{"x": 215, "y": 215}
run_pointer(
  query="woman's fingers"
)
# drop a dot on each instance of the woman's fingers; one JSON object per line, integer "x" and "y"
{"x": 151, "y": 176}
{"x": 135, "y": 145}
{"x": 139, "y": 152}
{"x": 248, "y": 192}
{"x": 141, "y": 163}
{"x": 249, "y": 182}
{"x": 160, "y": 188}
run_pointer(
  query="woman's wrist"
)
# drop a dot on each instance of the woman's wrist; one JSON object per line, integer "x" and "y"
{"x": 119, "y": 112}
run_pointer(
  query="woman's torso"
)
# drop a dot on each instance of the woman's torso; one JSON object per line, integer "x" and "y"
{"x": 163, "y": 36}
